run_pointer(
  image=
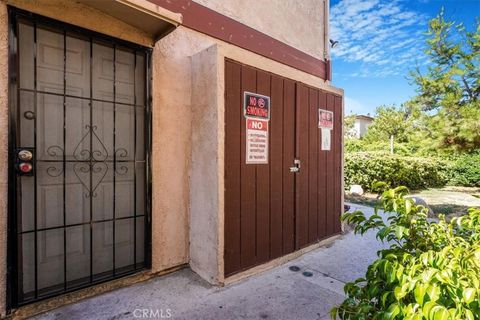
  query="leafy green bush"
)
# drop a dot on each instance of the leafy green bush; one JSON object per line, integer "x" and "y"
{"x": 364, "y": 168}
{"x": 354, "y": 145}
{"x": 431, "y": 270}
{"x": 466, "y": 171}
{"x": 358, "y": 145}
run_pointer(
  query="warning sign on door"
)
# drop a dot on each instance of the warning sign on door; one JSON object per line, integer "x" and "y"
{"x": 256, "y": 106}
{"x": 325, "y": 119}
{"x": 326, "y": 139}
{"x": 257, "y": 141}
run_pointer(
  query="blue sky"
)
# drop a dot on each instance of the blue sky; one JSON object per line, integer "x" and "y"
{"x": 380, "y": 41}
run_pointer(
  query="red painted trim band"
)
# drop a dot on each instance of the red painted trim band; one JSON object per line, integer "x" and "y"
{"x": 214, "y": 24}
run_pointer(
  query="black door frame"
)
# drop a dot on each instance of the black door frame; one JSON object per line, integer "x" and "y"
{"x": 14, "y": 15}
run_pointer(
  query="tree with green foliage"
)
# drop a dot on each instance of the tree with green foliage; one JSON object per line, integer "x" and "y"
{"x": 449, "y": 91}
{"x": 390, "y": 123}
{"x": 443, "y": 121}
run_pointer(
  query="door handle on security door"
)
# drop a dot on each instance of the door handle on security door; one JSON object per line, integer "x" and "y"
{"x": 296, "y": 167}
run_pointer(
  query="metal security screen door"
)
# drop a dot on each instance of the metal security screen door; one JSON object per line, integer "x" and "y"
{"x": 79, "y": 158}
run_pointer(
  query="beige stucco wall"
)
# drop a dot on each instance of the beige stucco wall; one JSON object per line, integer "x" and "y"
{"x": 297, "y": 23}
{"x": 171, "y": 145}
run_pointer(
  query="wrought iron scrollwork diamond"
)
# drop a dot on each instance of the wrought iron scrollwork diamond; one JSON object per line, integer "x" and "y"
{"x": 89, "y": 161}
{"x": 87, "y": 154}
{"x": 86, "y": 168}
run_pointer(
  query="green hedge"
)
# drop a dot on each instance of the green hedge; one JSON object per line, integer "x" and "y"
{"x": 466, "y": 171}
{"x": 359, "y": 145}
{"x": 415, "y": 173}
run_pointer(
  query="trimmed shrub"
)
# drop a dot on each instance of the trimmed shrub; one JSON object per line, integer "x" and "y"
{"x": 430, "y": 271}
{"x": 359, "y": 145}
{"x": 364, "y": 168}
{"x": 466, "y": 171}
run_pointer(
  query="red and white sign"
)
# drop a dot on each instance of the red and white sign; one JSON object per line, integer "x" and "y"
{"x": 325, "y": 119}
{"x": 256, "y": 106}
{"x": 257, "y": 141}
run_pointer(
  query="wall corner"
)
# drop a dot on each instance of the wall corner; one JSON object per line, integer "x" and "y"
{"x": 204, "y": 183}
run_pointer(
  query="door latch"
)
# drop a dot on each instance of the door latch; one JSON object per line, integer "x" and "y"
{"x": 296, "y": 167}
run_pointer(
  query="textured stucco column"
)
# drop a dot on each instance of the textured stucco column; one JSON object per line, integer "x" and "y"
{"x": 3, "y": 152}
{"x": 171, "y": 118}
{"x": 204, "y": 171}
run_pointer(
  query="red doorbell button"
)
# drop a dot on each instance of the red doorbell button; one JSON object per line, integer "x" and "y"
{"x": 25, "y": 167}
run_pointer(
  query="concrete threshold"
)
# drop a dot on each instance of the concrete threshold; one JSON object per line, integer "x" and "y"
{"x": 279, "y": 261}
{"x": 42, "y": 306}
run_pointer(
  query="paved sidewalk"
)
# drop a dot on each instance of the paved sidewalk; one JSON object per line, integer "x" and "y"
{"x": 275, "y": 294}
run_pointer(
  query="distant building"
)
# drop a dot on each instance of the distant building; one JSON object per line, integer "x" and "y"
{"x": 361, "y": 126}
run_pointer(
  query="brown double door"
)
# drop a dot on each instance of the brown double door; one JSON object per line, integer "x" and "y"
{"x": 271, "y": 211}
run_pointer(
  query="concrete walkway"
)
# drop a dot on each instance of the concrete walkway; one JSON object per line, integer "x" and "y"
{"x": 275, "y": 294}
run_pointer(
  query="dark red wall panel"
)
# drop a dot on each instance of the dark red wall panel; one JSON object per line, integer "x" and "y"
{"x": 248, "y": 180}
{"x": 276, "y": 169}
{"x": 232, "y": 172}
{"x": 288, "y": 210}
{"x": 313, "y": 147}
{"x": 322, "y": 177}
{"x": 270, "y": 211}
{"x": 329, "y": 195}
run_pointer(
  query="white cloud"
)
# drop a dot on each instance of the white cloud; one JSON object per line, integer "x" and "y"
{"x": 381, "y": 35}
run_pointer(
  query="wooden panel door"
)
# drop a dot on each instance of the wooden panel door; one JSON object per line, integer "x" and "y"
{"x": 271, "y": 211}
{"x": 318, "y": 182}
{"x": 259, "y": 199}
{"x": 309, "y": 214}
